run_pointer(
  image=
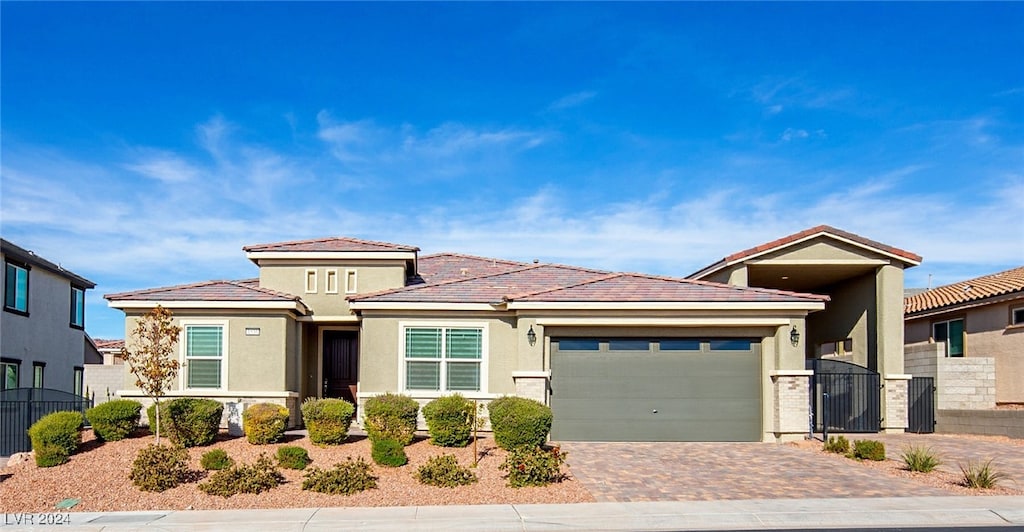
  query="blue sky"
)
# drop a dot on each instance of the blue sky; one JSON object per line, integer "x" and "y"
{"x": 143, "y": 144}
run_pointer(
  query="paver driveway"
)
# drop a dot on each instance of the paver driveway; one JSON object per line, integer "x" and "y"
{"x": 628, "y": 472}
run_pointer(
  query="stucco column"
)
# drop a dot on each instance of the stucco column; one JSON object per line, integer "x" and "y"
{"x": 789, "y": 385}
{"x": 531, "y": 379}
{"x": 889, "y": 351}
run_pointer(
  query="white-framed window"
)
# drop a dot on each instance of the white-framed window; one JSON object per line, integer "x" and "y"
{"x": 952, "y": 333}
{"x": 331, "y": 282}
{"x": 311, "y": 281}
{"x": 205, "y": 347}
{"x": 10, "y": 372}
{"x": 1017, "y": 316}
{"x": 77, "y": 307}
{"x": 444, "y": 358}
{"x": 16, "y": 288}
{"x": 38, "y": 371}
{"x": 350, "y": 281}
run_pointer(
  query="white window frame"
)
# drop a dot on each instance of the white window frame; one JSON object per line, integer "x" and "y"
{"x": 39, "y": 374}
{"x": 306, "y": 279}
{"x": 331, "y": 278}
{"x": 353, "y": 275}
{"x": 484, "y": 357}
{"x": 183, "y": 353}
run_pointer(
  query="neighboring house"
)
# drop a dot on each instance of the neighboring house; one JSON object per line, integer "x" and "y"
{"x": 863, "y": 321}
{"x": 616, "y": 355}
{"x": 109, "y": 351}
{"x": 43, "y": 339}
{"x": 974, "y": 320}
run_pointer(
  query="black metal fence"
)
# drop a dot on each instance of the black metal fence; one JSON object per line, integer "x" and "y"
{"x": 21, "y": 407}
{"x": 921, "y": 405}
{"x": 844, "y": 397}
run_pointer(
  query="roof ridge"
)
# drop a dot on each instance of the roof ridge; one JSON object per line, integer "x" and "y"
{"x": 162, "y": 288}
{"x": 468, "y": 256}
{"x": 605, "y": 277}
{"x": 263, "y": 290}
{"x": 327, "y": 239}
{"x": 410, "y": 288}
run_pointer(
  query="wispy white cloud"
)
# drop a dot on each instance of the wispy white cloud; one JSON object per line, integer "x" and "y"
{"x": 777, "y": 93}
{"x": 575, "y": 99}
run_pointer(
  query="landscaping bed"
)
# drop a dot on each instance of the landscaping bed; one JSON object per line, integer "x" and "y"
{"x": 98, "y": 474}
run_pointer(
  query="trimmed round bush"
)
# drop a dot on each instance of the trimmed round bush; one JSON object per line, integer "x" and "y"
{"x": 391, "y": 417}
{"x": 450, "y": 420}
{"x": 327, "y": 420}
{"x": 55, "y": 437}
{"x": 389, "y": 453}
{"x": 188, "y": 421}
{"x": 265, "y": 423}
{"x": 292, "y": 457}
{"x": 215, "y": 460}
{"x": 519, "y": 422}
{"x": 114, "y": 420}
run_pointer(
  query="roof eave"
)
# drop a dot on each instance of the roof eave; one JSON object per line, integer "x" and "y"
{"x": 134, "y": 304}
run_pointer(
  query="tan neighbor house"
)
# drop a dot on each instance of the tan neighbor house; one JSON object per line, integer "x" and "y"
{"x": 617, "y": 356}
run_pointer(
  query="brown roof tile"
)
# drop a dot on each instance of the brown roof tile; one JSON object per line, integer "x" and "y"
{"x": 205, "y": 291}
{"x": 108, "y": 344}
{"x": 338, "y": 244}
{"x": 440, "y": 267}
{"x": 996, "y": 284}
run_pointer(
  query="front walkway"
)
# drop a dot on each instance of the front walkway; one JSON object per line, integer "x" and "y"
{"x": 629, "y": 472}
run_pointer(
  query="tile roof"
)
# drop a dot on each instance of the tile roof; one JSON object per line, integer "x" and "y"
{"x": 102, "y": 343}
{"x": 634, "y": 287}
{"x": 440, "y": 267}
{"x": 806, "y": 233}
{"x": 996, "y": 284}
{"x": 330, "y": 244}
{"x": 488, "y": 288}
{"x": 205, "y": 291}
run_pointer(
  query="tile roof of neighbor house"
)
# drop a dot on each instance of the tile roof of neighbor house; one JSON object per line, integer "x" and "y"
{"x": 330, "y": 244}
{"x": 205, "y": 291}
{"x": 806, "y": 233}
{"x": 971, "y": 290}
{"x": 102, "y": 343}
{"x": 439, "y": 267}
{"x": 15, "y": 251}
{"x": 554, "y": 283}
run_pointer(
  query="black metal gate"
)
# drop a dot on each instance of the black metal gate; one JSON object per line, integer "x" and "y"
{"x": 921, "y": 405}
{"x": 21, "y": 407}
{"x": 845, "y": 397}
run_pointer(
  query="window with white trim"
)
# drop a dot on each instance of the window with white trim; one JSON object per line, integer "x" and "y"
{"x": 444, "y": 359}
{"x": 16, "y": 288}
{"x": 310, "y": 281}
{"x": 204, "y": 355}
{"x": 350, "y": 281}
{"x": 38, "y": 369}
{"x": 331, "y": 282}
{"x": 77, "y": 307}
{"x": 9, "y": 373}
{"x": 950, "y": 332}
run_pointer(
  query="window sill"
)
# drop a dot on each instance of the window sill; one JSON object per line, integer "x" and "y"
{"x": 16, "y": 311}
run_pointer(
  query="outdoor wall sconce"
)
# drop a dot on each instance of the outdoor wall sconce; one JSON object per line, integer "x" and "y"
{"x": 794, "y": 337}
{"x": 531, "y": 336}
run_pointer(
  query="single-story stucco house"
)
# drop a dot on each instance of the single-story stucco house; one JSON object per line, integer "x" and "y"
{"x": 617, "y": 356}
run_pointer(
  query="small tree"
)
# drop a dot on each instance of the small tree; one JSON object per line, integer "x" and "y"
{"x": 151, "y": 360}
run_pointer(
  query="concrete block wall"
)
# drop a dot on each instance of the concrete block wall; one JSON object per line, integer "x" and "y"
{"x": 100, "y": 379}
{"x": 791, "y": 409}
{"x": 1008, "y": 423}
{"x": 961, "y": 383}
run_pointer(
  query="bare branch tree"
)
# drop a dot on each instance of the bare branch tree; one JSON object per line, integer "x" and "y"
{"x": 151, "y": 358}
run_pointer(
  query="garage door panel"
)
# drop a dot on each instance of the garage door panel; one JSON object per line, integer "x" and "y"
{"x": 656, "y": 396}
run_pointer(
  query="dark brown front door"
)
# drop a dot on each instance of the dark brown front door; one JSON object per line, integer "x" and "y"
{"x": 341, "y": 364}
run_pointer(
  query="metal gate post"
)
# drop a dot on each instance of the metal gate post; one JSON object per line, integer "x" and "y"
{"x": 824, "y": 423}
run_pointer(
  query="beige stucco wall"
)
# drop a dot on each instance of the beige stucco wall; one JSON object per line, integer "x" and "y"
{"x": 845, "y": 316}
{"x": 45, "y": 335}
{"x": 371, "y": 276}
{"x": 988, "y": 334}
{"x": 254, "y": 363}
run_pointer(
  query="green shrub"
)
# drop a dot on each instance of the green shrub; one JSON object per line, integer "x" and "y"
{"x": 55, "y": 437}
{"x": 519, "y": 422}
{"x": 391, "y": 416}
{"x": 920, "y": 459}
{"x": 114, "y": 420}
{"x": 265, "y": 423}
{"x": 292, "y": 457}
{"x": 327, "y": 420}
{"x": 981, "y": 475}
{"x": 215, "y": 460}
{"x": 533, "y": 467}
{"x": 444, "y": 471}
{"x": 450, "y": 420}
{"x": 869, "y": 450}
{"x": 254, "y": 478}
{"x": 345, "y": 478}
{"x": 389, "y": 453}
{"x": 188, "y": 421}
{"x": 837, "y": 444}
{"x": 160, "y": 467}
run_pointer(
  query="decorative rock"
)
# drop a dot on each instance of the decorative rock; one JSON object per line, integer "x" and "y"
{"x": 19, "y": 458}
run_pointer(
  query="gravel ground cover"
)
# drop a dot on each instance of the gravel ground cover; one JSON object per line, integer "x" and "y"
{"x": 98, "y": 475}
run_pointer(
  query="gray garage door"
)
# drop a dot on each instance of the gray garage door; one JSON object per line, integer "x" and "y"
{"x": 655, "y": 389}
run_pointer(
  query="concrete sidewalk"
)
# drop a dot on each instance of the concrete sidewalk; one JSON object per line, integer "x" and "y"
{"x": 675, "y": 515}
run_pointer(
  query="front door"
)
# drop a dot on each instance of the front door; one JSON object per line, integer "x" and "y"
{"x": 341, "y": 364}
